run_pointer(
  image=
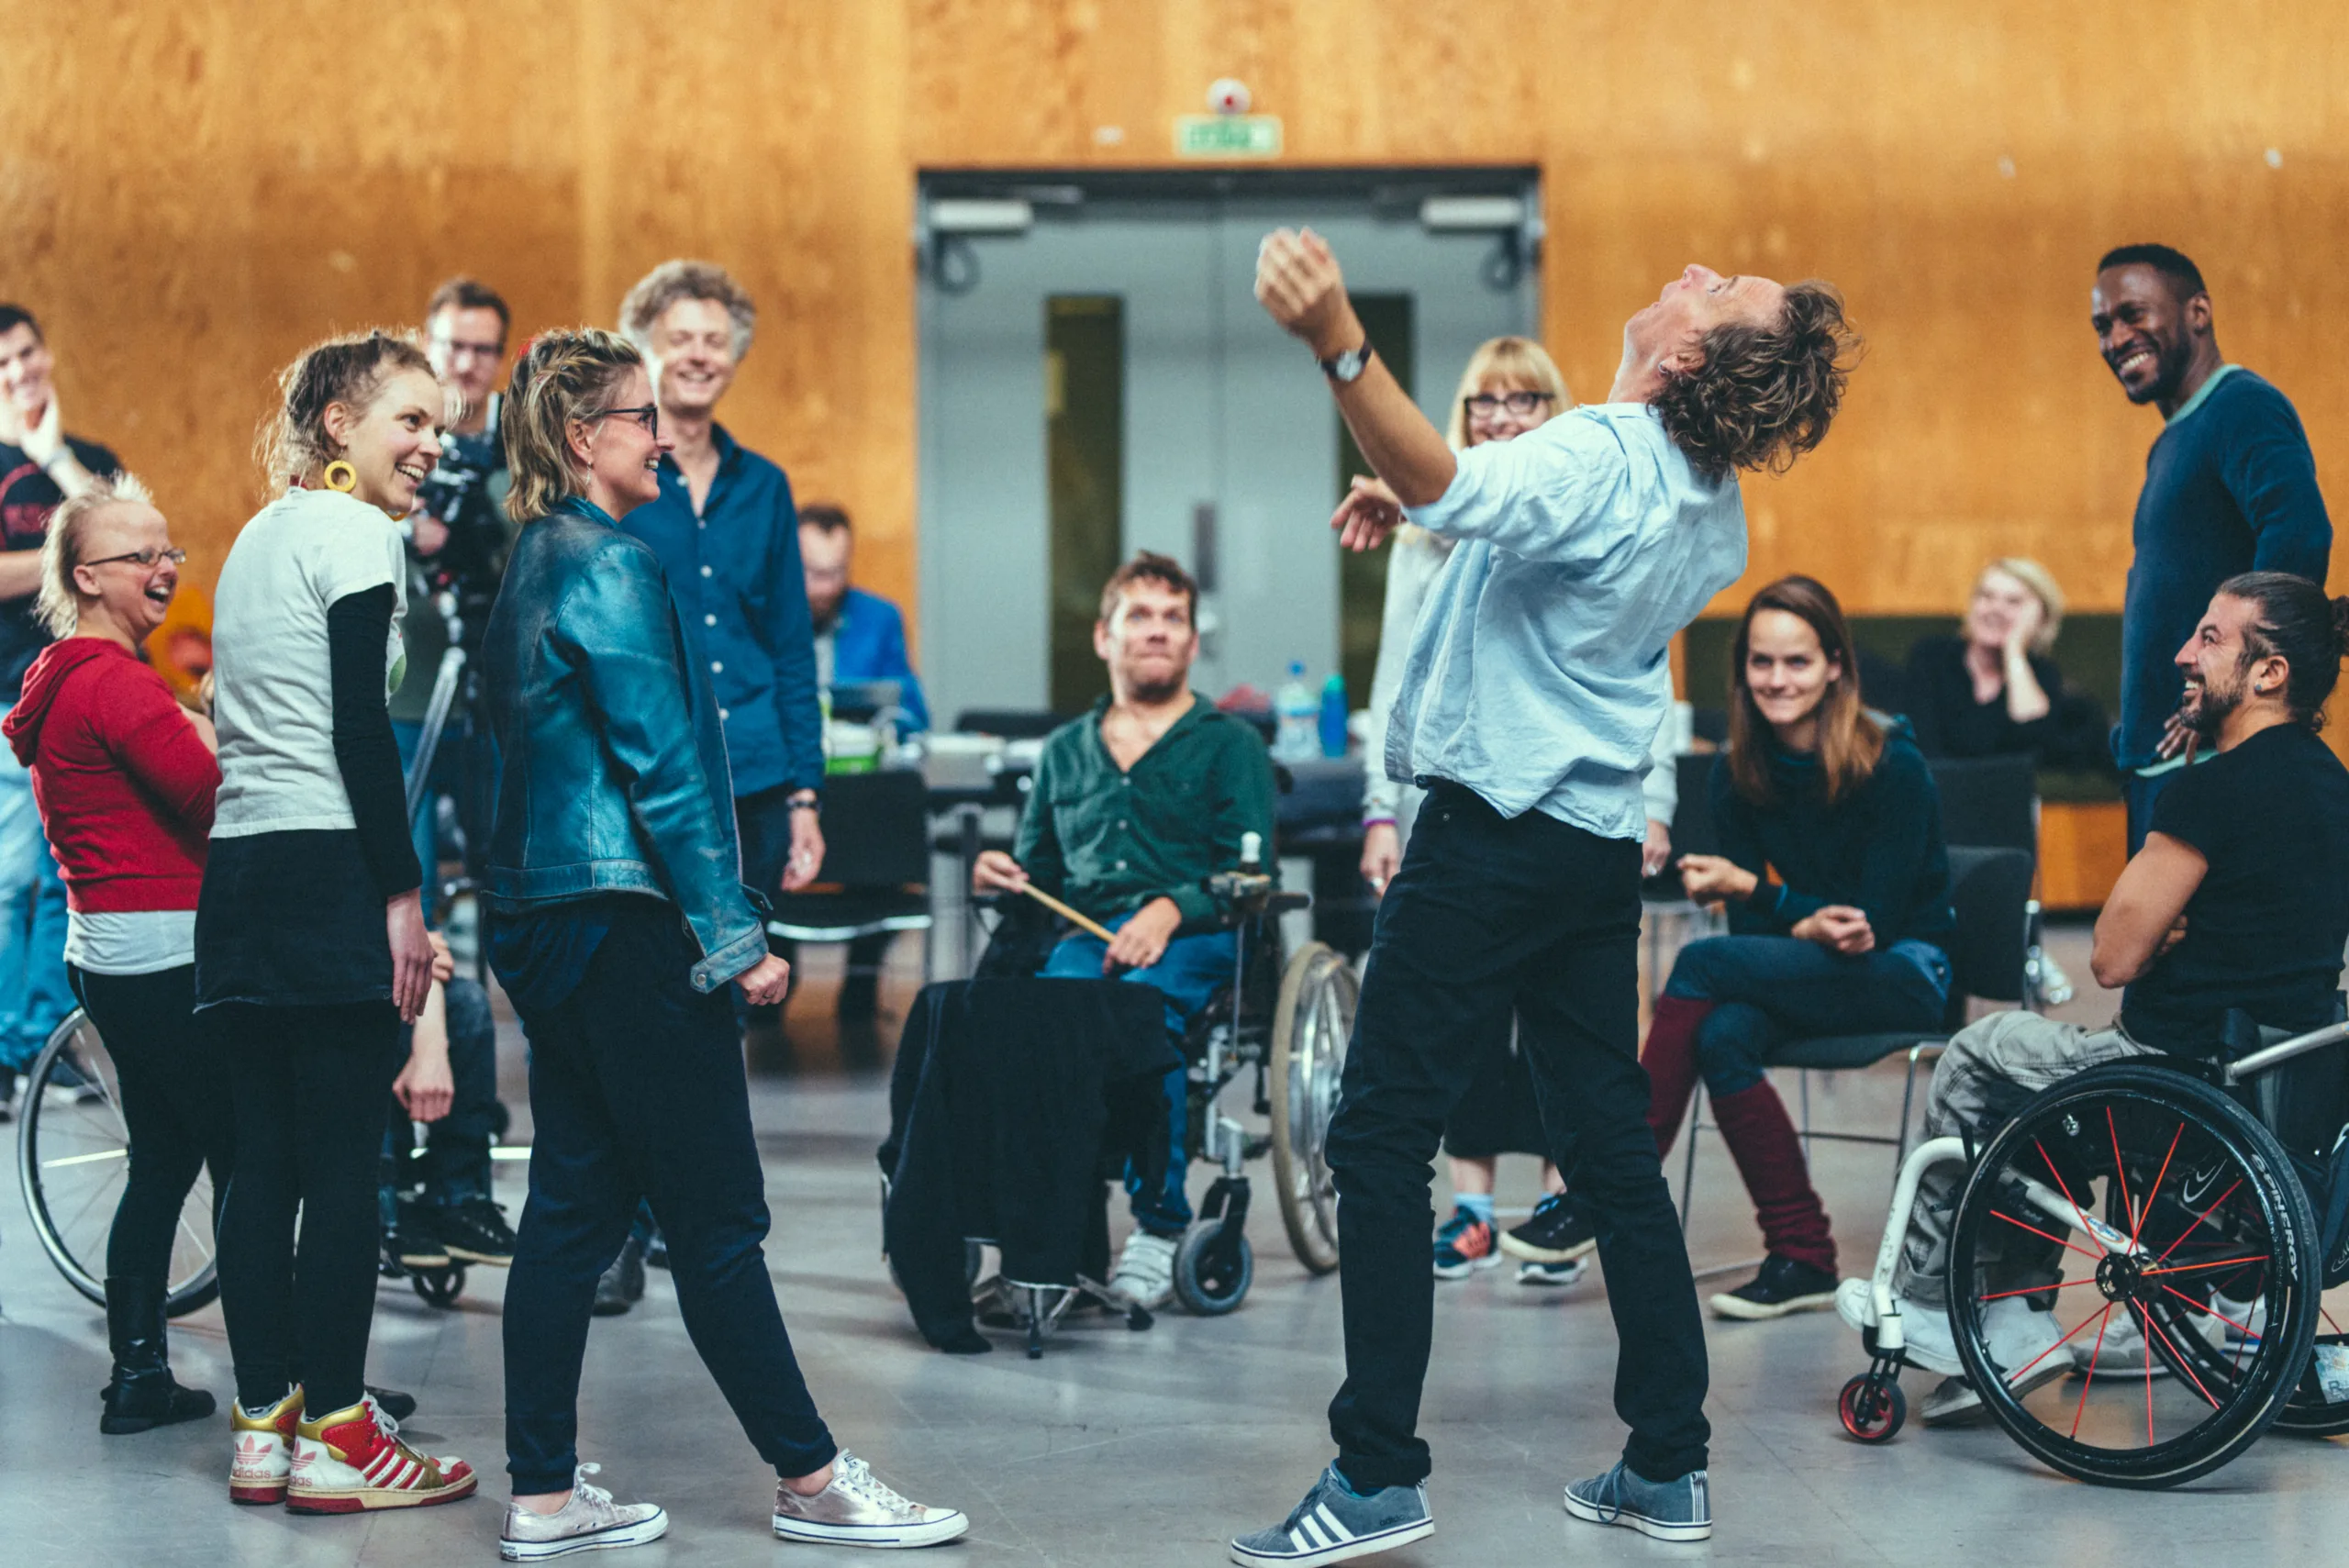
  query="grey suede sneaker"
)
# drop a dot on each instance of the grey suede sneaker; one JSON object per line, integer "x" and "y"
{"x": 1668, "y": 1510}
{"x": 861, "y": 1509}
{"x": 1334, "y": 1524}
{"x": 590, "y": 1521}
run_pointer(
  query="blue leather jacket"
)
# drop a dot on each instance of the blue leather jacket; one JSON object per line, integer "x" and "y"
{"x": 612, "y": 773}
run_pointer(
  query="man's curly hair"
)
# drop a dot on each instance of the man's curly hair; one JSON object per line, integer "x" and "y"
{"x": 1765, "y": 395}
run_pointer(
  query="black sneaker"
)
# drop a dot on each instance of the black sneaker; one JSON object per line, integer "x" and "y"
{"x": 1559, "y": 1232}
{"x": 475, "y": 1232}
{"x": 1784, "y": 1285}
{"x": 623, "y": 1283}
{"x": 413, "y": 1241}
{"x": 393, "y": 1402}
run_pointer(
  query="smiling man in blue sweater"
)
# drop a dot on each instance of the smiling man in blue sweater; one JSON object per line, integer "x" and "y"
{"x": 2229, "y": 487}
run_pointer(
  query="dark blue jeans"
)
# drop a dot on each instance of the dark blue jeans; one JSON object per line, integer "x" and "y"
{"x": 1488, "y": 912}
{"x": 1769, "y": 989}
{"x": 636, "y": 1092}
{"x": 1188, "y": 972}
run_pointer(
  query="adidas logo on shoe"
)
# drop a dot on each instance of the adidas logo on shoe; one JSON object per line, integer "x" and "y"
{"x": 353, "y": 1461}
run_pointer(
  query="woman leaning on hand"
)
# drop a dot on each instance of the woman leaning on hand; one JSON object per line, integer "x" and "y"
{"x": 616, "y": 876}
{"x": 125, "y": 777}
{"x": 310, "y": 949}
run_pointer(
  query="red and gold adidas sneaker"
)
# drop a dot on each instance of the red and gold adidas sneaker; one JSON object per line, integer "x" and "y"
{"x": 352, "y": 1462}
{"x": 264, "y": 1451}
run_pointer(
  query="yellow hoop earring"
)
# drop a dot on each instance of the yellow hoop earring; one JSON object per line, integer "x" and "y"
{"x": 340, "y": 476}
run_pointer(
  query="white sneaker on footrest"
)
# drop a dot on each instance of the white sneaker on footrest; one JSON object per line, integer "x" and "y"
{"x": 1145, "y": 1271}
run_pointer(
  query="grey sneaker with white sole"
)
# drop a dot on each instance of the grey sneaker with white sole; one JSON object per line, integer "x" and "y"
{"x": 588, "y": 1521}
{"x": 1335, "y": 1524}
{"x": 1679, "y": 1509}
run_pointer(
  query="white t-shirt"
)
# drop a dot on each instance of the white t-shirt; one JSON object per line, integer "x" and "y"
{"x": 129, "y": 941}
{"x": 274, "y": 695}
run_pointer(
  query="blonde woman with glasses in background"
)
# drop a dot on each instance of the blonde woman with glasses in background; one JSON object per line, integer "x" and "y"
{"x": 1510, "y": 386}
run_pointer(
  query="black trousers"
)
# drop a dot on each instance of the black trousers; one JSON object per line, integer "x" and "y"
{"x": 636, "y": 1092}
{"x": 1486, "y": 913}
{"x": 175, "y": 1105}
{"x": 309, "y": 1084}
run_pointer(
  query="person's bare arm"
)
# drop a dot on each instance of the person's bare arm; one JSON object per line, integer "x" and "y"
{"x": 2146, "y": 903}
{"x": 1298, "y": 283}
{"x": 20, "y": 575}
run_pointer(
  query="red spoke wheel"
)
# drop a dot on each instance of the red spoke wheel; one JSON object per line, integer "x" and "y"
{"x": 2136, "y": 1226}
{"x": 1872, "y": 1411}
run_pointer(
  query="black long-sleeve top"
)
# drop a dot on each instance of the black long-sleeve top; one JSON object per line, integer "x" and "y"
{"x": 365, "y": 752}
{"x": 2072, "y": 733}
{"x": 1880, "y": 849}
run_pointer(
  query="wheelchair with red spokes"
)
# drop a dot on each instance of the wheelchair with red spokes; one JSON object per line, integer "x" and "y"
{"x": 2199, "y": 1211}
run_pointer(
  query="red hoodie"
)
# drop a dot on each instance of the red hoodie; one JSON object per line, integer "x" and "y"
{"x": 124, "y": 783}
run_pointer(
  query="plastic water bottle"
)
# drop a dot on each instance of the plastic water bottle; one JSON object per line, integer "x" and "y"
{"x": 1333, "y": 716}
{"x": 1296, "y": 719}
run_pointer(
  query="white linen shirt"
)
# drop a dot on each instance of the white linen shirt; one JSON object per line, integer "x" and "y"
{"x": 273, "y": 692}
{"x": 1586, "y": 545}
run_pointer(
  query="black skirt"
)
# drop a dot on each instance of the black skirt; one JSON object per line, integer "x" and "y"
{"x": 291, "y": 920}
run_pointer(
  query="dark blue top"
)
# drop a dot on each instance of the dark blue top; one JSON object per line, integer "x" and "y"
{"x": 2229, "y": 487}
{"x": 735, "y": 572}
{"x": 1878, "y": 848}
{"x": 869, "y": 644}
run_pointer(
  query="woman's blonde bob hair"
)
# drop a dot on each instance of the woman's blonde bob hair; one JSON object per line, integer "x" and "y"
{"x": 58, "y": 606}
{"x": 561, "y": 375}
{"x": 1517, "y": 363}
{"x": 2041, "y": 584}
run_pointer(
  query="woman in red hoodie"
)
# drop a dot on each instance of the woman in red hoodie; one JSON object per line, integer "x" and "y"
{"x": 125, "y": 777}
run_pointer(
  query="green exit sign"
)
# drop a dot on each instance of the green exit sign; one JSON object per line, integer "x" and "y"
{"x": 1227, "y": 136}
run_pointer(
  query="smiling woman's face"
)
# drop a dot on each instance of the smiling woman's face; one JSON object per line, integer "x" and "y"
{"x": 132, "y": 595}
{"x": 394, "y": 440}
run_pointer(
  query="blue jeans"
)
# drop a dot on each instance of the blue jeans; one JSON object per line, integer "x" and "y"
{"x": 1188, "y": 972}
{"x": 34, "y": 995}
{"x": 1769, "y": 990}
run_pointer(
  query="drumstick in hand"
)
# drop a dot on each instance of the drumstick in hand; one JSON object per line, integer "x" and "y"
{"x": 1057, "y": 907}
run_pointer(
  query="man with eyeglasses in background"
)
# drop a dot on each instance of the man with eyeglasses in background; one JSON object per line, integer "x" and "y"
{"x": 41, "y": 465}
{"x": 458, "y": 541}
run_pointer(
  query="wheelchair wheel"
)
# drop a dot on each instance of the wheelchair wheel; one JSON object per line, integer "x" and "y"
{"x": 1213, "y": 1268}
{"x": 72, "y": 1160}
{"x": 2201, "y": 1233}
{"x": 1311, "y": 1027}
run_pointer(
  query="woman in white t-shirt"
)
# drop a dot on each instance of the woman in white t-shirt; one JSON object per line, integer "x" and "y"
{"x": 310, "y": 947}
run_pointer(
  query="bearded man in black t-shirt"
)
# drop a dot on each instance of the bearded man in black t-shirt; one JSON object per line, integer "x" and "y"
{"x": 2239, "y": 899}
{"x": 41, "y": 465}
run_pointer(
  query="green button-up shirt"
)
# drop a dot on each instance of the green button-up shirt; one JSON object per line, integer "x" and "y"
{"x": 1109, "y": 842}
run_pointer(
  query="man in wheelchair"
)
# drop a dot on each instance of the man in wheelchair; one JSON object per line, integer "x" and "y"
{"x": 2238, "y": 900}
{"x": 1133, "y": 806}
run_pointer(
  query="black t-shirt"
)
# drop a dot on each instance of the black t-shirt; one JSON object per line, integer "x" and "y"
{"x": 28, "y": 495}
{"x": 2266, "y": 929}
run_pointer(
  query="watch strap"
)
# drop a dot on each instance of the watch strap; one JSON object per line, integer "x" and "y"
{"x": 1348, "y": 366}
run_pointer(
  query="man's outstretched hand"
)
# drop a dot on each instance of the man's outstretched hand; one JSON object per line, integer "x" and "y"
{"x": 1299, "y": 285}
{"x": 1368, "y": 515}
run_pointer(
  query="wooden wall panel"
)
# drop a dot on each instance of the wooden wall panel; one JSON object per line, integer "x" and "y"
{"x": 195, "y": 189}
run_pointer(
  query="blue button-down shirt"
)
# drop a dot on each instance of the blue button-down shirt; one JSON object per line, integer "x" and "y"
{"x": 735, "y": 572}
{"x": 1586, "y": 545}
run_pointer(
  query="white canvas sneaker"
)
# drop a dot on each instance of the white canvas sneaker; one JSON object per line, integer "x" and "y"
{"x": 588, "y": 1521}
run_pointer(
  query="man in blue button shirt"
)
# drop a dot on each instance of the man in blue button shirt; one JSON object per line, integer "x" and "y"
{"x": 1526, "y": 708}
{"x": 728, "y": 539}
{"x": 2229, "y": 487}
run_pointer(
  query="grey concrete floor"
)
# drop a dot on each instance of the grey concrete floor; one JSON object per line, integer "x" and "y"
{"x": 1119, "y": 1448}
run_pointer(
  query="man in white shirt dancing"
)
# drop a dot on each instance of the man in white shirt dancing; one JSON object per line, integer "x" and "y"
{"x": 1527, "y": 709}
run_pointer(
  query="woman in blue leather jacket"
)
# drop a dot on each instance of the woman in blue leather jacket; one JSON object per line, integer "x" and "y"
{"x": 615, "y": 878}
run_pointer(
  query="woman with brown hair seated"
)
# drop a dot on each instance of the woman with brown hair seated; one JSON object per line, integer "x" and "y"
{"x": 1837, "y": 893}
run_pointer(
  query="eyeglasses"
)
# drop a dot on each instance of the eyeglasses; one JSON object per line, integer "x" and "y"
{"x": 455, "y": 347}
{"x": 649, "y": 415}
{"x": 146, "y": 559}
{"x": 1485, "y": 404}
